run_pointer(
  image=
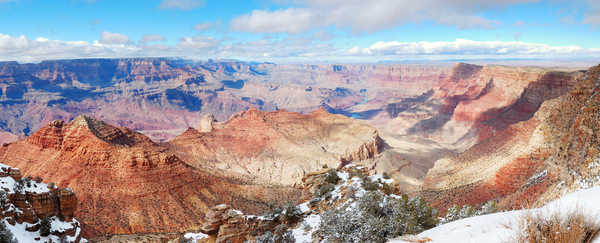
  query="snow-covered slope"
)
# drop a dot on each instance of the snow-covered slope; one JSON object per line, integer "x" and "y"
{"x": 33, "y": 211}
{"x": 504, "y": 226}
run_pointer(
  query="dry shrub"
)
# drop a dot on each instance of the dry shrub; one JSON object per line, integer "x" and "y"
{"x": 576, "y": 228}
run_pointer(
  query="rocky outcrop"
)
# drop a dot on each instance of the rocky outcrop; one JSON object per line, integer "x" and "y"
{"x": 26, "y": 202}
{"x": 279, "y": 147}
{"x": 206, "y": 124}
{"x": 517, "y": 159}
{"x": 224, "y": 224}
{"x": 128, "y": 184}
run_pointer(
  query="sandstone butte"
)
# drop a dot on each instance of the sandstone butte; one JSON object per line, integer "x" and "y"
{"x": 277, "y": 148}
{"x": 127, "y": 183}
{"x": 524, "y": 149}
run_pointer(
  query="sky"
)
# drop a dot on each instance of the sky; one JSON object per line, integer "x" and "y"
{"x": 300, "y": 31}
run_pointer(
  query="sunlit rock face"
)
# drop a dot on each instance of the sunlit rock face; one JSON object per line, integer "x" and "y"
{"x": 279, "y": 148}
{"x": 162, "y": 97}
{"x": 127, "y": 183}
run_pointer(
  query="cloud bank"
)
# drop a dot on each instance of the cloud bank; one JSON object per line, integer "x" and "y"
{"x": 23, "y": 49}
{"x": 370, "y": 16}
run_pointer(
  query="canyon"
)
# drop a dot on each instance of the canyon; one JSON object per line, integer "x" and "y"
{"x": 126, "y": 183}
{"x": 151, "y": 145}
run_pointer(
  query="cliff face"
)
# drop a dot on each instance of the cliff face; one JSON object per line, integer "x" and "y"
{"x": 520, "y": 155}
{"x": 278, "y": 147}
{"x": 128, "y": 184}
{"x": 162, "y": 96}
{"x": 26, "y": 202}
{"x": 472, "y": 111}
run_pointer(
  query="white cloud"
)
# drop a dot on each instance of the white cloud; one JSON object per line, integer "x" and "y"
{"x": 290, "y": 20}
{"x": 461, "y": 47}
{"x": 202, "y": 26}
{"x": 292, "y": 49}
{"x": 152, "y": 38}
{"x": 369, "y": 16}
{"x": 113, "y": 38}
{"x": 198, "y": 42}
{"x": 181, "y": 4}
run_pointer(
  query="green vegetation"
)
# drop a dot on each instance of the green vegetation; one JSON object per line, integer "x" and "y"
{"x": 5, "y": 234}
{"x": 376, "y": 218}
{"x": 45, "y": 226}
{"x": 460, "y": 212}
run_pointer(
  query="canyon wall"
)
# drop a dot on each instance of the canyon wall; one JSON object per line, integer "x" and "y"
{"x": 128, "y": 184}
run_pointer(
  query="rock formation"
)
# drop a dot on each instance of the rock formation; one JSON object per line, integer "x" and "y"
{"x": 525, "y": 159}
{"x": 206, "y": 124}
{"x": 278, "y": 148}
{"x": 26, "y": 202}
{"x": 128, "y": 184}
{"x": 164, "y": 96}
{"x": 474, "y": 108}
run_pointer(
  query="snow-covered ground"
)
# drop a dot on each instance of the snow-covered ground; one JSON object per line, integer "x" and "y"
{"x": 193, "y": 237}
{"x": 22, "y": 235}
{"x": 504, "y": 226}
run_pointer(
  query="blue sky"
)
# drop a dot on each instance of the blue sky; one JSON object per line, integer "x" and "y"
{"x": 300, "y": 30}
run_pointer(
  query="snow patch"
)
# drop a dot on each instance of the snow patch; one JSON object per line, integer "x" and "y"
{"x": 193, "y": 237}
{"x": 504, "y": 226}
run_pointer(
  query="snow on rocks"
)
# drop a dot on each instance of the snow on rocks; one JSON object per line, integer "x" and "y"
{"x": 303, "y": 233}
{"x": 194, "y": 237}
{"x": 21, "y": 234}
{"x": 505, "y": 226}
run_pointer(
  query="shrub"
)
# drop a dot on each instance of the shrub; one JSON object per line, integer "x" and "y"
{"x": 291, "y": 214}
{"x": 26, "y": 181}
{"x": 5, "y": 234}
{"x": 3, "y": 199}
{"x": 325, "y": 190}
{"x": 332, "y": 177}
{"x": 18, "y": 188}
{"x": 460, "y": 212}
{"x": 279, "y": 235}
{"x": 45, "y": 226}
{"x": 370, "y": 185}
{"x": 376, "y": 218}
{"x": 275, "y": 212}
{"x": 387, "y": 188}
{"x": 354, "y": 172}
{"x": 576, "y": 228}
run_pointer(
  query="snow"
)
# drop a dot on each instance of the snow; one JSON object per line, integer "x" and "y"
{"x": 4, "y": 167}
{"x": 193, "y": 237}
{"x": 343, "y": 175}
{"x": 504, "y": 226}
{"x": 378, "y": 177}
{"x": 61, "y": 226}
{"x": 23, "y": 235}
{"x": 8, "y": 184}
{"x": 304, "y": 207}
{"x": 311, "y": 222}
{"x": 36, "y": 188}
